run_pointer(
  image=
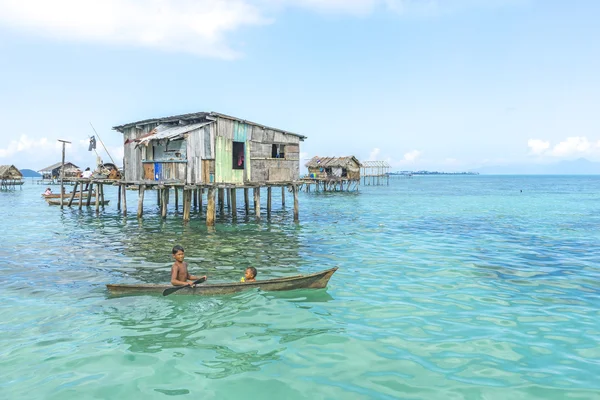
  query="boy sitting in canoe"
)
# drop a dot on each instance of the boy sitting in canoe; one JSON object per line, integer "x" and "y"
{"x": 250, "y": 275}
{"x": 179, "y": 272}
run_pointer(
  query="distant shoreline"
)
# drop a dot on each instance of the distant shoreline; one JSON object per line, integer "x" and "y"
{"x": 430, "y": 173}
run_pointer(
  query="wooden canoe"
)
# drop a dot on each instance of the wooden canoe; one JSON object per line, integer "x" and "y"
{"x": 65, "y": 201}
{"x": 317, "y": 280}
{"x": 67, "y": 195}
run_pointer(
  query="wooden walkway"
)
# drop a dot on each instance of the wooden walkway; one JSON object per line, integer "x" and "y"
{"x": 191, "y": 196}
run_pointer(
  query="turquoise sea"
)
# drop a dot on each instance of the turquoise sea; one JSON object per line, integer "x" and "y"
{"x": 449, "y": 287}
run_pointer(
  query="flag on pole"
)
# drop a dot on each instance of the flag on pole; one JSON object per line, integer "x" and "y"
{"x": 92, "y": 143}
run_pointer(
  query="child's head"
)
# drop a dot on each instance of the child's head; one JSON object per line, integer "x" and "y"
{"x": 178, "y": 252}
{"x": 250, "y": 273}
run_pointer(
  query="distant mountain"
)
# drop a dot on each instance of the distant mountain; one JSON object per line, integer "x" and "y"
{"x": 581, "y": 166}
{"x": 29, "y": 173}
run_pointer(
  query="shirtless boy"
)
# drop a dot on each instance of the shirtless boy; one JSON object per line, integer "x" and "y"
{"x": 179, "y": 272}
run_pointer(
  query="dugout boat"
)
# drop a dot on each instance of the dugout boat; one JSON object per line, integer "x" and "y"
{"x": 317, "y": 280}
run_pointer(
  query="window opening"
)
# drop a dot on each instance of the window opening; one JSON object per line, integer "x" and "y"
{"x": 238, "y": 156}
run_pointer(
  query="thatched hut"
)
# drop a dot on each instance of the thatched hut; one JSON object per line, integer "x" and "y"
{"x": 347, "y": 168}
{"x": 10, "y": 176}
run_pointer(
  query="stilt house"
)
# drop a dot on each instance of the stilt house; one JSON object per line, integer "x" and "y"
{"x": 10, "y": 176}
{"x": 53, "y": 171}
{"x": 334, "y": 168}
{"x": 209, "y": 148}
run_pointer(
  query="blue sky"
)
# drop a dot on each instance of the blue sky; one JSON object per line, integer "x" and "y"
{"x": 446, "y": 85}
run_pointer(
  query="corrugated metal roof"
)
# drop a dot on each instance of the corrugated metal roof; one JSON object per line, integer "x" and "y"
{"x": 323, "y": 162}
{"x": 164, "y": 131}
{"x": 201, "y": 116}
{"x": 57, "y": 165}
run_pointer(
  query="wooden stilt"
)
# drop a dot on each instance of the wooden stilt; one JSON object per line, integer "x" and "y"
{"x": 283, "y": 196}
{"x": 164, "y": 202}
{"x": 158, "y": 197}
{"x": 257, "y": 203}
{"x": 72, "y": 194}
{"x": 124, "y": 200}
{"x": 233, "y": 203}
{"x": 221, "y": 200}
{"x": 200, "y": 194}
{"x": 119, "y": 197}
{"x": 269, "y": 202}
{"x": 81, "y": 196}
{"x": 89, "y": 196}
{"x": 295, "y": 191}
{"x": 98, "y": 197}
{"x": 210, "y": 208}
{"x": 195, "y": 193}
{"x": 176, "y": 198}
{"x": 140, "y": 210}
{"x": 187, "y": 204}
{"x": 228, "y": 197}
{"x": 246, "y": 201}
{"x": 102, "y": 195}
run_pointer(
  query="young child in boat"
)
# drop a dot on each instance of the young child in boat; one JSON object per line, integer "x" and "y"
{"x": 250, "y": 275}
{"x": 48, "y": 192}
{"x": 179, "y": 272}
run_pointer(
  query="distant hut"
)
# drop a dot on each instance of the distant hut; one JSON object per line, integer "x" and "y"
{"x": 10, "y": 177}
{"x": 209, "y": 148}
{"x": 52, "y": 173}
{"x": 331, "y": 171}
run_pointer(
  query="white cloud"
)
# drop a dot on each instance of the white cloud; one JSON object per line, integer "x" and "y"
{"x": 374, "y": 154}
{"x": 573, "y": 146}
{"x": 191, "y": 26}
{"x": 25, "y": 144}
{"x": 537, "y": 146}
{"x": 570, "y": 147}
{"x": 194, "y": 26}
{"x": 412, "y": 156}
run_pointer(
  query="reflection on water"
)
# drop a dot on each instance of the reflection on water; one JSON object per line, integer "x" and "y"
{"x": 448, "y": 287}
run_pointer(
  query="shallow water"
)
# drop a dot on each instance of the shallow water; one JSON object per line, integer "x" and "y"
{"x": 449, "y": 287}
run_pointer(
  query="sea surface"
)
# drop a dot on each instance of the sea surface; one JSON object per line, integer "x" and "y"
{"x": 449, "y": 287}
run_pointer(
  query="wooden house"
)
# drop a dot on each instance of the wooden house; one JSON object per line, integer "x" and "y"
{"x": 347, "y": 168}
{"x": 207, "y": 148}
{"x": 10, "y": 176}
{"x": 53, "y": 171}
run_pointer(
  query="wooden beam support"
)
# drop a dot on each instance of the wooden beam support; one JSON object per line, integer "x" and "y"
{"x": 97, "y": 197}
{"x": 210, "y": 208}
{"x": 228, "y": 196}
{"x": 257, "y": 203}
{"x": 246, "y": 201}
{"x": 119, "y": 190}
{"x": 195, "y": 193}
{"x": 200, "y": 194}
{"x": 81, "y": 196}
{"x": 140, "y": 211}
{"x": 269, "y": 202}
{"x": 124, "y": 200}
{"x": 176, "y": 199}
{"x": 221, "y": 200}
{"x": 164, "y": 202}
{"x": 72, "y": 195}
{"x": 283, "y": 196}
{"x": 295, "y": 191}
{"x": 233, "y": 203}
{"x": 187, "y": 204}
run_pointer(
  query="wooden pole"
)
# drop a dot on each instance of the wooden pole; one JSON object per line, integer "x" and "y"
{"x": 62, "y": 172}
{"x": 187, "y": 203}
{"x": 269, "y": 202}
{"x": 124, "y": 200}
{"x": 72, "y": 194}
{"x": 81, "y": 196}
{"x": 89, "y": 196}
{"x": 200, "y": 194}
{"x": 195, "y": 193}
{"x": 295, "y": 190}
{"x": 210, "y": 208}
{"x": 119, "y": 197}
{"x": 283, "y": 196}
{"x": 165, "y": 202}
{"x": 102, "y": 195}
{"x": 246, "y": 201}
{"x": 176, "y": 199}
{"x": 233, "y": 203}
{"x": 221, "y": 200}
{"x": 158, "y": 196}
{"x": 257, "y": 203}
{"x": 97, "y": 197}
{"x": 140, "y": 210}
{"x": 228, "y": 196}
